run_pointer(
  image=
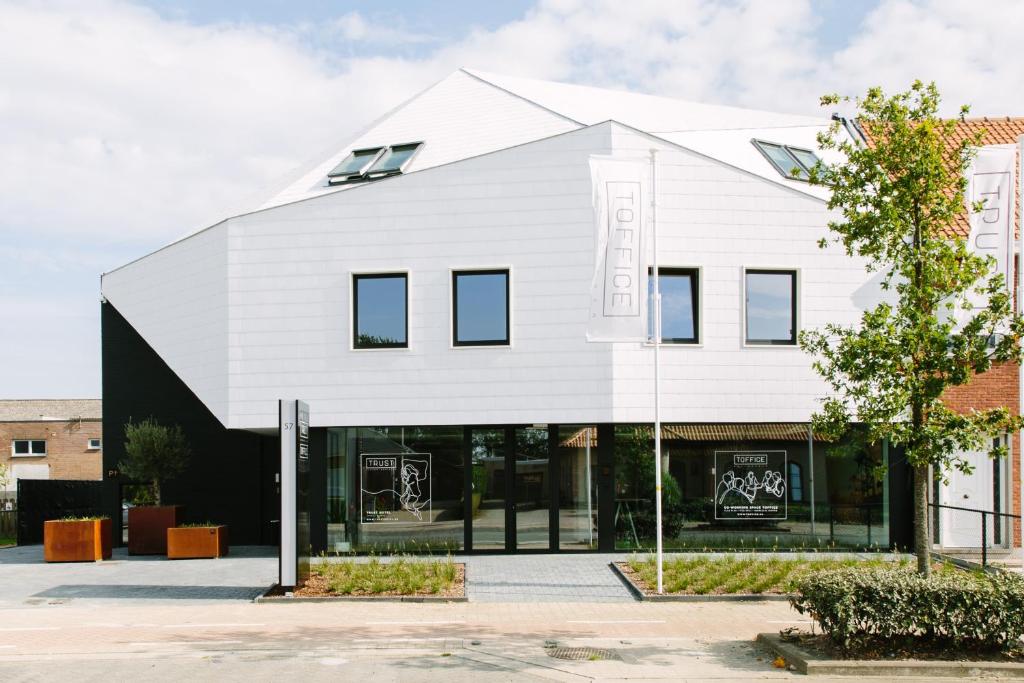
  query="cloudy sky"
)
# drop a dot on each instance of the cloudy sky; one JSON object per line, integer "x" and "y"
{"x": 124, "y": 125}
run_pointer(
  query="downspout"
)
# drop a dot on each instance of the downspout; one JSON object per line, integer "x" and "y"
{"x": 1019, "y": 308}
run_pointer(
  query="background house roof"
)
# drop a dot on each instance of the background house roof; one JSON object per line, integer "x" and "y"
{"x": 48, "y": 410}
{"x": 759, "y": 431}
{"x": 995, "y": 131}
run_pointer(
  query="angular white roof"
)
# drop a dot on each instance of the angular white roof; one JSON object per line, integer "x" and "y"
{"x": 649, "y": 113}
{"x": 471, "y": 112}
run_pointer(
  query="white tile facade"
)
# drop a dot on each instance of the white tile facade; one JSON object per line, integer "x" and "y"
{"x": 257, "y": 308}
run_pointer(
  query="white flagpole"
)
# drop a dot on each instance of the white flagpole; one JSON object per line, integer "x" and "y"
{"x": 1020, "y": 308}
{"x": 657, "y": 370}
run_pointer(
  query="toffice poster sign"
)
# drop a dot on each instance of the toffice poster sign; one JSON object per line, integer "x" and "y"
{"x": 750, "y": 485}
{"x": 293, "y": 554}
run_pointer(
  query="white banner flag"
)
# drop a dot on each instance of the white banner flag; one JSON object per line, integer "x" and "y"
{"x": 990, "y": 180}
{"x": 618, "y": 291}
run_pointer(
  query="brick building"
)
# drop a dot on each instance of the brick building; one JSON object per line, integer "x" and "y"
{"x": 51, "y": 439}
{"x": 1001, "y": 385}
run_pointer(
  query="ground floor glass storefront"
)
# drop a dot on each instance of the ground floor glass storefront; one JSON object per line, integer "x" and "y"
{"x": 587, "y": 487}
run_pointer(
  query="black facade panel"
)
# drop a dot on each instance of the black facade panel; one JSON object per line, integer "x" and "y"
{"x": 43, "y": 499}
{"x": 317, "y": 493}
{"x": 901, "y": 500}
{"x": 231, "y": 472}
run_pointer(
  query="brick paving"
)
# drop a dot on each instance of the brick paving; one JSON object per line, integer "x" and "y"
{"x": 543, "y": 578}
{"x": 26, "y": 580}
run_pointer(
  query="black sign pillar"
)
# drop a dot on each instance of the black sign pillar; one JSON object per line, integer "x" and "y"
{"x": 293, "y": 554}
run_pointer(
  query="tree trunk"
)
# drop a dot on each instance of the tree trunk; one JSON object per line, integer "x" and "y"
{"x": 922, "y": 539}
{"x": 156, "y": 491}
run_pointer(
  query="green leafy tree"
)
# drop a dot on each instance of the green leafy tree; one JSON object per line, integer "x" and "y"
{"x": 895, "y": 200}
{"x": 155, "y": 453}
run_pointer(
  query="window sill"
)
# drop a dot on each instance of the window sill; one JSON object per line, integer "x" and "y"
{"x": 28, "y": 455}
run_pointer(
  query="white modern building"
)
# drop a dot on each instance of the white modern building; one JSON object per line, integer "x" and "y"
{"x": 426, "y": 289}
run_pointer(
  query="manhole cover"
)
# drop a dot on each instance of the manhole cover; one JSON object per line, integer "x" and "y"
{"x": 585, "y": 654}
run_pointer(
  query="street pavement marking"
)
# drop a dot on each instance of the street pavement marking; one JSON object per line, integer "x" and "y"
{"x": 31, "y": 628}
{"x": 385, "y": 639}
{"x": 184, "y": 642}
{"x": 616, "y": 621}
{"x": 207, "y": 625}
{"x": 413, "y": 623}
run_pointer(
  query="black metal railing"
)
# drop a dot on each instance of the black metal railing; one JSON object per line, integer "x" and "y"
{"x": 996, "y": 517}
{"x": 868, "y": 514}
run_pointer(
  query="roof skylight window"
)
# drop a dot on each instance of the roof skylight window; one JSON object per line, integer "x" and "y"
{"x": 393, "y": 160}
{"x": 355, "y": 164}
{"x": 794, "y": 163}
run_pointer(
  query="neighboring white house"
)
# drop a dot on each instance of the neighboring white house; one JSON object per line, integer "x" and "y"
{"x": 474, "y": 198}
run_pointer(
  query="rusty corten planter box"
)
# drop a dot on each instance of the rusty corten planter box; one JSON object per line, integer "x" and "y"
{"x": 86, "y": 540}
{"x": 186, "y": 542}
{"x": 147, "y": 528}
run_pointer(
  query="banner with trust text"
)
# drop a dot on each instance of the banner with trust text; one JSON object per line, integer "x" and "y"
{"x": 618, "y": 291}
{"x": 991, "y": 180}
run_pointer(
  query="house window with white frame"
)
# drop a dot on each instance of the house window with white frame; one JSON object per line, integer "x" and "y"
{"x": 680, "y": 310}
{"x": 480, "y": 308}
{"x": 380, "y": 311}
{"x": 28, "y": 448}
{"x": 771, "y": 307}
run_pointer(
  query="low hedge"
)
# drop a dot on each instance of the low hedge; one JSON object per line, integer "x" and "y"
{"x": 854, "y": 605}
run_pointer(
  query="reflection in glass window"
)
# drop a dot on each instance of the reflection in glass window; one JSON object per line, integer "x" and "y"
{"x": 354, "y": 164}
{"x": 28, "y": 447}
{"x": 380, "y": 311}
{"x": 796, "y": 482}
{"x": 679, "y": 310}
{"x": 393, "y": 159}
{"x": 480, "y": 307}
{"x": 771, "y": 307}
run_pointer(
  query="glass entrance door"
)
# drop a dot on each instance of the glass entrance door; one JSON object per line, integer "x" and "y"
{"x": 489, "y": 496}
{"x": 532, "y": 489}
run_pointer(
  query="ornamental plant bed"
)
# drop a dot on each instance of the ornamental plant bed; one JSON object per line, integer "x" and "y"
{"x": 197, "y": 541}
{"x": 750, "y": 577}
{"x": 77, "y": 540}
{"x": 393, "y": 579}
{"x": 147, "y": 528}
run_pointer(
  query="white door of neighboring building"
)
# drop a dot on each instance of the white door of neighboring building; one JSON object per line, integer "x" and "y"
{"x": 977, "y": 491}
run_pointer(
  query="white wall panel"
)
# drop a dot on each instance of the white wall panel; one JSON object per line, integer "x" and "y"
{"x": 258, "y": 308}
{"x": 177, "y": 300}
{"x": 527, "y": 208}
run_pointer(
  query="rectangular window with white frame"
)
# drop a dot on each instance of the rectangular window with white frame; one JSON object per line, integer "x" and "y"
{"x": 480, "y": 307}
{"x": 770, "y": 307}
{"x": 680, "y": 305}
{"x": 28, "y": 448}
{"x": 380, "y": 311}
{"x": 94, "y": 445}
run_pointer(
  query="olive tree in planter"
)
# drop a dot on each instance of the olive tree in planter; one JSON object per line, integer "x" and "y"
{"x": 155, "y": 453}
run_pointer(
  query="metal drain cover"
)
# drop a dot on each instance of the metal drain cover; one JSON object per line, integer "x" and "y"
{"x": 585, "y": 654}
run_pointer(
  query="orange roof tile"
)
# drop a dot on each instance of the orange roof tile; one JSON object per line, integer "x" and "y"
{"x": 997, "y": 131}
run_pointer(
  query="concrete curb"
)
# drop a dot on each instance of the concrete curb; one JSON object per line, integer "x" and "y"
{"x": 806, "y": 663}
{"x": 282, "y": 599}
{"x": 970, "y": 564}
{"x": 638, "y": 594}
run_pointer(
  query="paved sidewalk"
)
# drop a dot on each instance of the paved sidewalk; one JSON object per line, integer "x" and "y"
{"x": 543, "y": 578}
{"x": 26, "y": 580}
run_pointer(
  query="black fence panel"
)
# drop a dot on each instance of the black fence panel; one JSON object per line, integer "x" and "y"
{"x": 43, "y": 499}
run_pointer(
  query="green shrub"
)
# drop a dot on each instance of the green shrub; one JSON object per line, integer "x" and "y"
{"x": 956, "y": 608}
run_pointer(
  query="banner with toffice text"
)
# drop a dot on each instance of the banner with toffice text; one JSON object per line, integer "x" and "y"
{"x": 618, "y": 291}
